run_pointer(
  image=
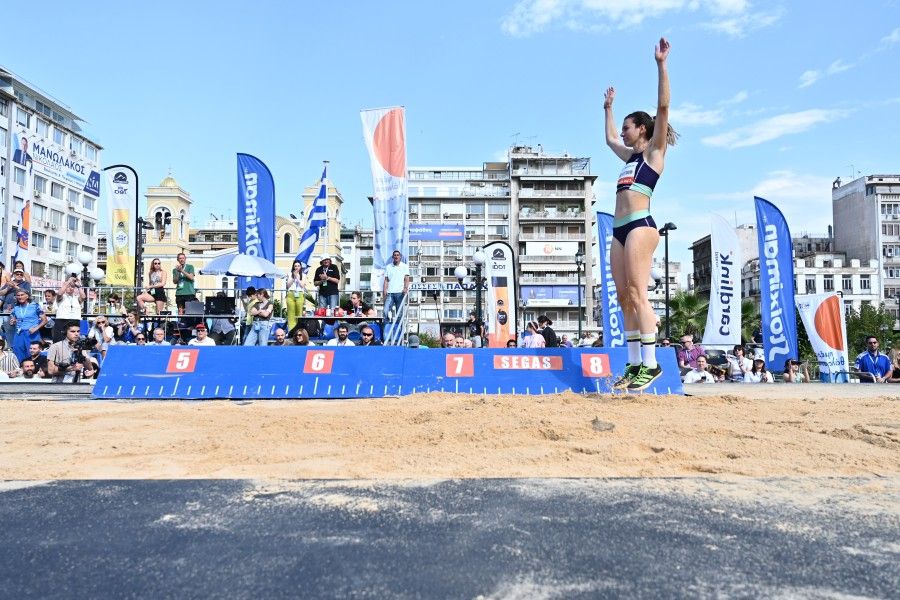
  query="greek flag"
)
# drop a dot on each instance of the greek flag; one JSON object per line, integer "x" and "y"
{"x": 316, "y": 220}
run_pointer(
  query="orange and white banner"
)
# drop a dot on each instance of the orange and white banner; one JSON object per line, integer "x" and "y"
{"x": 823, "y": 319}
{"x": 500, "y": 308}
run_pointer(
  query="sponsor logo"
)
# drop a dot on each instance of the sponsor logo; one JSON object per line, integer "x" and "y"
{"x": 121, "y": 178}
{"x": 724, "y": 267}
{"x": 776, "y": 334}
{"x": 508, "y": 362}
{"x": 498, "y": 254}
{"x": 251, "y": 224}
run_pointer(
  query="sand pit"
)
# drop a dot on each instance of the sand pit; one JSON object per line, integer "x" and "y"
{"x": 773, "y": 431}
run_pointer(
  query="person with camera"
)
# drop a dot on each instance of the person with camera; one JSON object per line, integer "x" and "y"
{"x": 699, "y": 374}
{"x": 27, "y": 318}
{"x": 68, "y": 307}
{"x": 130, "y": 328}
{"x": 68, "y": 360}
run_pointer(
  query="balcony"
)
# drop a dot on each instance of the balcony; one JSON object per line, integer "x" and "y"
{"x": 540, "y": 237}
{"x": 550, "y": 215}
{"x": 538, "y": 193}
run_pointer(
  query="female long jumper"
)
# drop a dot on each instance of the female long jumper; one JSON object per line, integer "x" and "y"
{"x": 643, "y": 144}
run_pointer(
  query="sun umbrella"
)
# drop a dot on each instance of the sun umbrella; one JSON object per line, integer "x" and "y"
{"x": 241, "y": 265}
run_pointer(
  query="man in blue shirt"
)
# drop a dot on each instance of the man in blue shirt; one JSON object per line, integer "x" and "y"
{"x": 873, "y": 366}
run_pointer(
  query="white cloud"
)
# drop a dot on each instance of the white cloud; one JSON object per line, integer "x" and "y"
{"x": 838, "y": 66}
{"x": 891, "y": 38}
{"x": 737, "y": 98}
{"x": 689, "y": 114}
{"x": 533, "y": 16}
{"x": 809, "y": 77}
{"x": 774, "y": 127}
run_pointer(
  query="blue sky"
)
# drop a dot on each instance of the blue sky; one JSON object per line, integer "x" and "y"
{"x": 773, "y": 98}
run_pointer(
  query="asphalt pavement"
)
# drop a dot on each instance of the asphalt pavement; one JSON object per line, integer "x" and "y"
{"x": 498, "y": 538}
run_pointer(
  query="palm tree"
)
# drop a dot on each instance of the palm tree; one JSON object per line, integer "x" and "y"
{"x": 687, "y": 313}
{"x": 750, "y": 320}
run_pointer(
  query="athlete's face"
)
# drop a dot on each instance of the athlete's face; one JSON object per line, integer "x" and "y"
{"x": 631, "y": 133}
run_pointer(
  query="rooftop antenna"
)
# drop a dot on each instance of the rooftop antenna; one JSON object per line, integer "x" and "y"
{"x": 515, "y": 137}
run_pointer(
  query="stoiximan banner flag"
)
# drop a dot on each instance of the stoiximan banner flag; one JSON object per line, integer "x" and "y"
{"x": 256, "y": 215}
{"x": 723, "y": 320}
{"x": 500, "y": 307}
{"x": 823, "y": 320}
{"x": 776, "y": 285}
{"x": 121, "y": 215}
{"x": 385, "y": 133}
{"x": 613, "y": 321}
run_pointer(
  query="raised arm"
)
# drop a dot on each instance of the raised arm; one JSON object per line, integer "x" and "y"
{"x": 661, "y": 124}
{"x": 612, "y": 133}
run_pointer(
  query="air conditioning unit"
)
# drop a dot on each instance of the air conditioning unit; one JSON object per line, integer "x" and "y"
{"x": 46, "y": 224}
{"x": 37, "y": 194}
{"x": 53, "y": 227}
{"x": 446, "y": 215}
{"x": 445, "y": 299}
{"x": 504, "y": 216}
{"x": 72, "y": 153}
{"x": 72, "y": 206}
{"x": 468, "y": 235}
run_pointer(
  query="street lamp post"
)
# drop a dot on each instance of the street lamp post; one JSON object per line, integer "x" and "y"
{"x": 96, "y": 274}
{"x": 665, "y": 233}
{"x": 143, "y": 224}
{"x": 579, "y": 261}
{"x": 461, "y": 272}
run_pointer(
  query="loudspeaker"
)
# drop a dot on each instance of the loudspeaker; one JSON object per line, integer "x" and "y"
{"x": 219, "y": 306}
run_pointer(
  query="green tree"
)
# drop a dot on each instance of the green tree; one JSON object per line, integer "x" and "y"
{"x": 870, "y": 320}
{"x": 687, "y": 313}
{"x": 750, "y": 320}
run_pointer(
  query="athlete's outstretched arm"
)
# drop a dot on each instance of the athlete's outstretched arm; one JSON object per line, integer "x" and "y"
{"x": 661, "y": 124}
{"x": 612, "y": 135}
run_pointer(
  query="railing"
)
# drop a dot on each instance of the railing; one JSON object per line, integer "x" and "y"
{"x": 544, "y": 215}
{"x": 537, "y": 193}
{"x": 539, "y": 237}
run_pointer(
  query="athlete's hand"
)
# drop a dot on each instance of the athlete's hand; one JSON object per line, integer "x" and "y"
{"x": 608, "y": 97}
{"x": 662, "y": 50}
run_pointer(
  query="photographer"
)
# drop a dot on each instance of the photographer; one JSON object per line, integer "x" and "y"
{"x": 68, "y": 360}
{"x": 68, "y": 307}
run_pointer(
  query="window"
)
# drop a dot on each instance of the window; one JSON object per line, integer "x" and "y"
{"x": 865, "y": 282}
{"x": 431, "y": 209}
{"x": 75, "y": 144}
{"x": 810, "y": 284}
{"x": 38, "y": 212}
{"x": 4, "y": 107}
{"x": 847, "y": 283}
{"x": 56, "y": 218}
{"x": 43, "y": 128}
{"x": 287, "y": 243}
{"x": 71, "y": 250}
{"x": 828, "y": 283}
{"x": 55, "y": 244}
{"x": 40, "y": 184}
{"x": 87, "y": 249}
{"x": 73, "y": 197}
{"x": 23, "y": 117}
{"x": 3, "y": 133}
{"x": 87, "y": 227}
{"x": 37, "y": 268}
{"x": 56, "y": 190}
{"x": 182, "y": 217}
{"x": 19, "y": 176}
{"x": 72, "y": 224}
{"x": 59, "y": 136}
{"x": 88, "y": 202}
{"x": 2, "y": 167}
{"x": 90, "y": 153}
{"x": 38, "y": 240}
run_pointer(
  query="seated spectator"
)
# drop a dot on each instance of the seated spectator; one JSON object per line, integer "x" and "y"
{"x": 459, "y": 341}
{"x": 341, "y": 340}
{"x": 738, "y": 364}
{"x": 355, "y": 307}
{"x": 299, "y": 337}
{"x": 687, "y": 356}
{"x": 467, "y": 343}
{"x": 27, "y": 373}
{"x": 564, "y": 341}
{"x": 8, "y": 359}
{"x": 159, "y": 338}
{"x": 792, "y": 372}
{"x": 699, "y": 374}
{"x": 758, "y": 373}
{"x": 38, "y": 359}
{"x": 65, "y": 363}
{"x": 140, "y": 339}
{"x": 103, "y": 333}
{"x": 412, "y": 342}
{"x": 873, "y": 366}
{"x": 665, "y": 342}
{"x": 535, "y": 340}
{"x": 130, "y": 327}
{"x": 367, "y": 335}
{"x": 115, "y": 314}
{"x": 511, "y": 344}
{"x": 448, "y": 340}
{"x": 279, "y": 337}
{"x": 202, "y": 338}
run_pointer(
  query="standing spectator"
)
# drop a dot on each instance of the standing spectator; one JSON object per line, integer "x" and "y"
{"x": 792, "y": 372}
{"x": 396, "y": 285}
{"x": 687, "y": 356}
{"x": 699, "y": 374}
{"x": 8, "y": 291}
{"x": 159, "y": 338}
{"x": 367, "y": 335}
{"x": 27, "y": 318}
{"x": 326, "y": 278}
{"x": 536, "y": 339}
{"x": 8, "y": 360}
{"x": 873, "y": 366}
{"x": 65, "y": 363}
{"x": 103, "y": 333}
{"x": 738, "y": 364}
{"x": 260, "y": 319}
{"x": 476, "y": 329}
{"x": 156, "y": 288}
{"x": 758, "y": 373}
{"x": 49, "y": 308}
{"x": 295, "y": 294}
{"x": 342, "y": 332}
{"x": 549, "y": 335}
{"x": 355, "y": 307}
{"x": 183, "y": 278}
{"x": 202, "y": 338}
{"x": 448, "y": 340}
{"x": 68, "y": 307}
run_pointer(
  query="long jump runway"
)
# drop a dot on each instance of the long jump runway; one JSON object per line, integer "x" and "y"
{"x": 472, "y": 538}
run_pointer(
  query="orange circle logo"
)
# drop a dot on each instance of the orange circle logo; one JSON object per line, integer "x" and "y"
{"x": 828, "y": 323}
{"x": 389, "y": 145}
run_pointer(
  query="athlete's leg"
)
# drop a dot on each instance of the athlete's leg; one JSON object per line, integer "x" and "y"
{"x": 619, "y": 268}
